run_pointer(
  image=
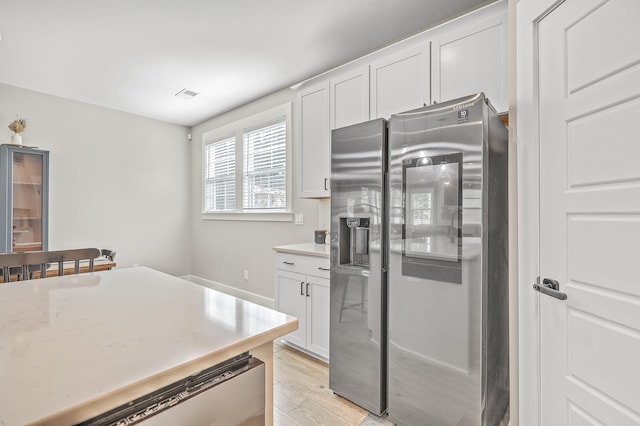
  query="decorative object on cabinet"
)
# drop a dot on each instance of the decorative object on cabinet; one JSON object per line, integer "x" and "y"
{"x": 302, "y": 290}
{"x": 24, "y": 199}
{"x": 17, "y": 126}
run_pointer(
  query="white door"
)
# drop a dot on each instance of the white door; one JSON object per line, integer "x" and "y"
{"x": 589, "y": 109}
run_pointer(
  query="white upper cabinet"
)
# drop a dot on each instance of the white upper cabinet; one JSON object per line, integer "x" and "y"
{"x": 315, "y": 140}
{"x": 349, "y": 98}
{"x": 400, "y": 81}
{"x": 471, "y": 60}
{"x": 464, "y": 56}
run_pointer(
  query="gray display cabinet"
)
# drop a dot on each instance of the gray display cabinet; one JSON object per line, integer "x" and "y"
{"x": 24, "y": 199}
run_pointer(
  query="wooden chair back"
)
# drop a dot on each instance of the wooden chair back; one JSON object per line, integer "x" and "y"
{"x": 42, "y": 259}
{"x": 11, "y": 262}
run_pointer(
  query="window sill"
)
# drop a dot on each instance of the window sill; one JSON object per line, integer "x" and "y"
{"x": 258, "y": 216}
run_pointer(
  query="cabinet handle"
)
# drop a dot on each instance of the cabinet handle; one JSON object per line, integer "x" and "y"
{"x": 287, "y": 263}
{"x": 307, "y": 289}
{"x": 325, "y": 184}
{"x": 301, "y": 288}
{"x": 323, "y": 269}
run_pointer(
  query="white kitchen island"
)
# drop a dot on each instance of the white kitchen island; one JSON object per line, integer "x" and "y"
{"x": 76, "y": 346}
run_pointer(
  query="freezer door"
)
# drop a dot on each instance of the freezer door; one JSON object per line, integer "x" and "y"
{"x": 357, "y": 316}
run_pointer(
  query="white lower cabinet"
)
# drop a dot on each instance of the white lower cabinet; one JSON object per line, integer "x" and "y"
{"x": 302, "y": 290}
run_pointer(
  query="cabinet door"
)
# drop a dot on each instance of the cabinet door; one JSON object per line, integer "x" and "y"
{"x": 23, "y": 199}
{"x": 473, "y": 60}
{"x": 314, "y": 139}
{"x": 318, "y": 316}
{"x": 291, "y": 299}
{"x": 400, "y": 82}
{"x": 349, "y": 98}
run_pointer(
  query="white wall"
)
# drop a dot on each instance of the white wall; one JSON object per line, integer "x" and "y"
{"x": 221, "y": 249}
{"x": 117, "y": 180}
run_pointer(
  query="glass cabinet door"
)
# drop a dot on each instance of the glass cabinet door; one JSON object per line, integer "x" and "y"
{"x": 27, "y": 202}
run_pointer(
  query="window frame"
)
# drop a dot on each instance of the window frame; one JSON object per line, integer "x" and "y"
{"x": 238, "y": 129}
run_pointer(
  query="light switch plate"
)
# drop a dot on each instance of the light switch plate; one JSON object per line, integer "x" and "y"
{"x": 299, "y": 219}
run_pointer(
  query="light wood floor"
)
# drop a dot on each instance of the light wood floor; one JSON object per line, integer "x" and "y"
{"x": 301, "y": 394}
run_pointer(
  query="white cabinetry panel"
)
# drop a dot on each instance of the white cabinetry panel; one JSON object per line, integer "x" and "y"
{"x": 318, "y": 316}
{"x": 473, "y": 60}
{"x": 350, "y": 98}
{"x": 400, "y": 81}
{"x": 290, "y": 300}
{"x": 314, "y": 139}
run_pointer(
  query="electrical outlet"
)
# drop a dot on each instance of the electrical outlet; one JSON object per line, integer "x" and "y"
{"x": 299, "y": 219}
{"x": 246, "y": 275}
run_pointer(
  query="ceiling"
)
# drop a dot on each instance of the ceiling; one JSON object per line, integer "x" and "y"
{"x": 135, "y": 55}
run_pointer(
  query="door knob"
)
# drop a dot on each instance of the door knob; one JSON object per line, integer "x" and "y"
{"x": 550, "y": 287}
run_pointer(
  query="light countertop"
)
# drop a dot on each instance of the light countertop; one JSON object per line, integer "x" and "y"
{"x": 73, "y": 346}
{"x": 309, "y": 249}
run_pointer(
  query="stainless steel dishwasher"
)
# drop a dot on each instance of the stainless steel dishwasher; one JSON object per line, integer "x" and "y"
{"x": 229, "y": 393}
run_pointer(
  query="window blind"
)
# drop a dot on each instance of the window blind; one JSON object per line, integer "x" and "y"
{"x": 265, "y": 167}
{"x": 220, "y": 175}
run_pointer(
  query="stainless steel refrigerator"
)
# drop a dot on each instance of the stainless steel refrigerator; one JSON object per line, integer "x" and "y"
{"x": 419, "y": 244}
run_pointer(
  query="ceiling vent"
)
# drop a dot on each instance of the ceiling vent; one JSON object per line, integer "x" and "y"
{"x": 186, "y": 94}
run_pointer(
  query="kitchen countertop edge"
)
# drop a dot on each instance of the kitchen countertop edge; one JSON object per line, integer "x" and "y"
{"x": 308, "y": 249}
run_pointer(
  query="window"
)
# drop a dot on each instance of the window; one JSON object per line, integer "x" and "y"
{"x": 265, "y": 167}
{"x": 246, "y": 168}
{"x": 220, "y": 181}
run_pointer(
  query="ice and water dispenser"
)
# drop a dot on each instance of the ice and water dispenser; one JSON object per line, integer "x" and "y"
{"x": 354, "y": 241}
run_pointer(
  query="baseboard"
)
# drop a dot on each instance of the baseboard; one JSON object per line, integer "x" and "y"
{"x": 233, "y": 291}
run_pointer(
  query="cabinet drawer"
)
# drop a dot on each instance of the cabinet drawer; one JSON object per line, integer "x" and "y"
{"x": 309, "y": 265}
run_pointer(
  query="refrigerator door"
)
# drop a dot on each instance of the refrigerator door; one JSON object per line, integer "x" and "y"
{"x": 357, "y": 315}
{"x": 437, "y": 273}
